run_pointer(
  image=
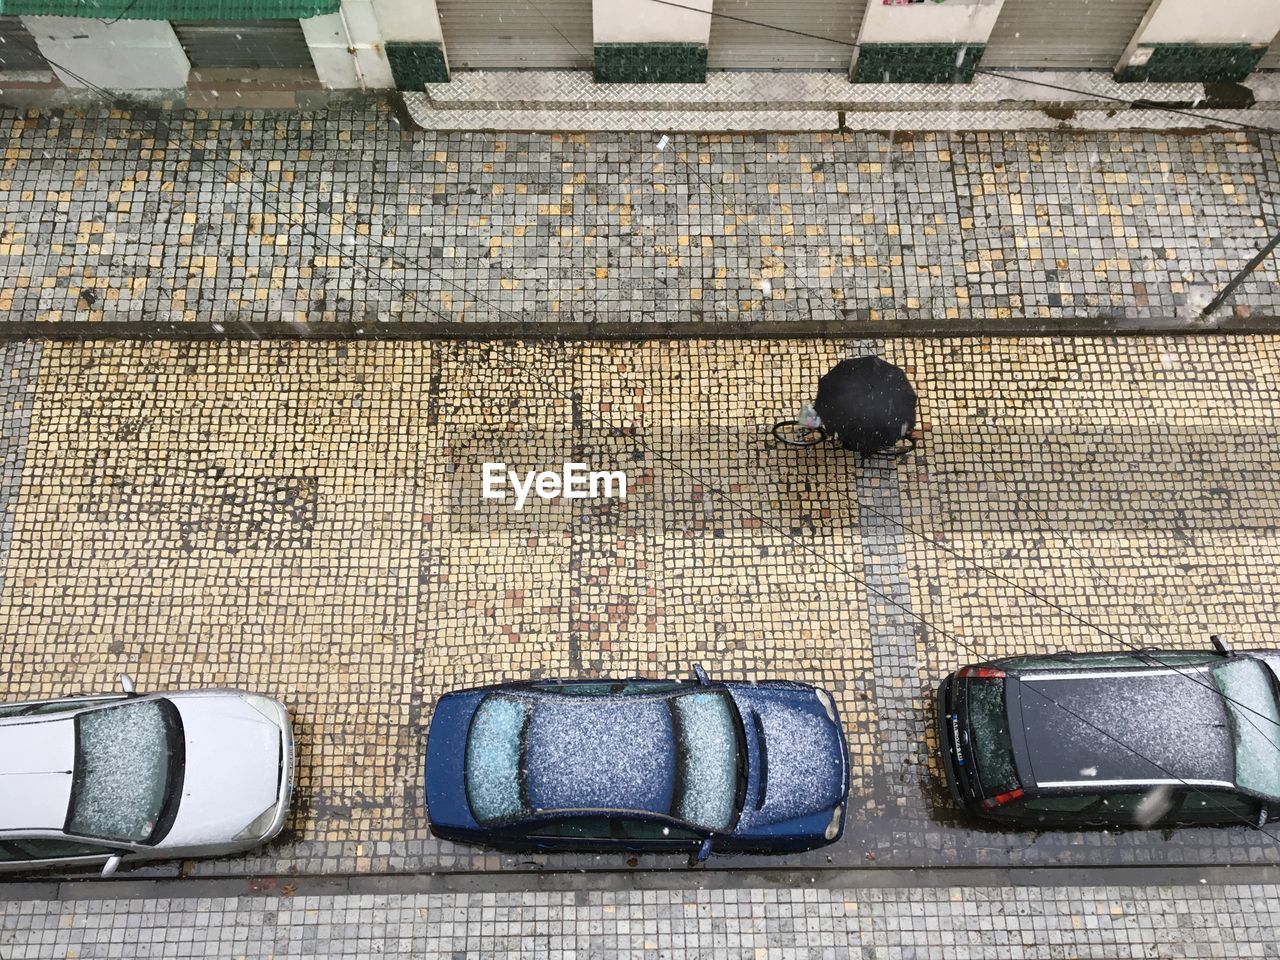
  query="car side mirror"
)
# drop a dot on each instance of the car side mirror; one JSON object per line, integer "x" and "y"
{"x": 701, "y": 674}
{"x": 126, "y": 684}
{"x": 112, "y": 864}
{"x": 704, "y": 851}
{"x": 1220, "y": 645}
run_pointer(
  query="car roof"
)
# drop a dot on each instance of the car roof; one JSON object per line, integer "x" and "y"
{"x": 1124, "y": 727}
{"x": 36, "y": 762}
{"x": 600, "y": 753}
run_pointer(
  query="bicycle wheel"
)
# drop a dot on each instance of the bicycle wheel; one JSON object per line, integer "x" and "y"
{"x": 795, "y": 434}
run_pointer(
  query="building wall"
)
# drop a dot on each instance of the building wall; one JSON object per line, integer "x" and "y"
{"x": 413, "y": 42}
{"x": 126, "y": 55}
{"x": 347, "y": 48}
{"x": 640, "y": 42}
{"x": 1200, "y": 40}
{"x": 379, "y": 44}
{"x": 923, "y": 42}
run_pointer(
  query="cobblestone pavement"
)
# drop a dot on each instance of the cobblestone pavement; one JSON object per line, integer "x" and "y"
{"x": 263, "y": 219}
{"x": 305, "y": 519}
{"x": 966, "y": 923}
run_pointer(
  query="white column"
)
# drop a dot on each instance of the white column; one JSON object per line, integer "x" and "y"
{"x": 1202, "y": 22}
{"x": 626, "y": 21}
{"x": 127, "y": 55}
{"x": 956, "y": 24}
{"x": 347, "y": 48}
{"x": 930, "y": 22}
{"x": 414, "y": 21}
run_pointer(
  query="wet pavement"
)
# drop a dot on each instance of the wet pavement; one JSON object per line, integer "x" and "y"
{"x": 306, "y": 519}
{"x": 192, "y": 223}
{"x": 986, "y": 922}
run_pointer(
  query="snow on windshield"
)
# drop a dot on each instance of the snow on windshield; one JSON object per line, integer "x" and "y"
{"x": 122, "y": 775}
{"x": 709, "y": 751}
{"x": 493, "y": 758}
{"x": 1255, "y": 724}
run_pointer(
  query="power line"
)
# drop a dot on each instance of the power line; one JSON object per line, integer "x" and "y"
{"x": 727, "y": 497}
{"x": 875, "y": 512}
{"x": 968, "y": 559}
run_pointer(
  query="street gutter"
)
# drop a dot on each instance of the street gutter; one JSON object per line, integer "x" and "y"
{"x": 807, "y": 329}
{"x": 692, "y": 879}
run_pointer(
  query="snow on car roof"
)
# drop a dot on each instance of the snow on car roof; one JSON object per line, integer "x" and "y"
{"x": 1144, "y": 726}
{"x": 615, "y": 753}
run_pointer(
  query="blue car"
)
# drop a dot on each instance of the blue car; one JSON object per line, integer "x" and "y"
{"x": 642, "y": 765}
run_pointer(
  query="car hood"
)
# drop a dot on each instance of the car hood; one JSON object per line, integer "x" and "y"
{"x": 36, "y": 760}
{"x": 232, "y": 770}
{"x": 444, "y": 774}
{"x": 798, "y": 766}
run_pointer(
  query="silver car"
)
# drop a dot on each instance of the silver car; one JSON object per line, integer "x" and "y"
{"x": 100, "y": 779}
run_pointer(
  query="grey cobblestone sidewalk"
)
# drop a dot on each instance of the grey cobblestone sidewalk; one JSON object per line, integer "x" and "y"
{"x": 192, "y": 218}
{"x": 970, "y": 923}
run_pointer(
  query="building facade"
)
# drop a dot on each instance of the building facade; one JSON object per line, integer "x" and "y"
{"x": 160, "y": 45}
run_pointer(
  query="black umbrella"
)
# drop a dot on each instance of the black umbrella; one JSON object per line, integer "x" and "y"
{"x": 867, "y": 404}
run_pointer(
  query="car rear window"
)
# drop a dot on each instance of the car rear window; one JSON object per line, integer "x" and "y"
{"x": 494, "y": 751}
{"x": 1255, "y": 725}
{"x": 126, "y": 758}
{"x": 708, "y": 755}
{"x": 989, "y": 735}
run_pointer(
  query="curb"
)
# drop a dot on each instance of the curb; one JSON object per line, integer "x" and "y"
{"x": 811, "y": 329}
{"x": 562, "y": 881}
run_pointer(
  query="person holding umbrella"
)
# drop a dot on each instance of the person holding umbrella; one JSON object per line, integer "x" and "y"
{"x": 865, "y": 403}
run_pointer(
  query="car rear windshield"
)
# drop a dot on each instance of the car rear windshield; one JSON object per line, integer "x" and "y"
{"x": 708, "y": 758}
{"x": 989, "y": 735}
{"x": 495, "y": 750}
{"x": 127, "y": 759}
{"x": 1255, "y": 724}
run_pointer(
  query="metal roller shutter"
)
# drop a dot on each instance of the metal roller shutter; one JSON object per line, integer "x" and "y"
{"x": 1063, "y": 34}
{"x": 251, "y": 44}
{"x": 517, "y": 34}
{"x": 18, "y": 49}
{"x": 740, "y": 46}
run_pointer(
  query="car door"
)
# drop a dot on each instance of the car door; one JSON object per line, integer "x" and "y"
{"x": 38, "y": 853}
{"x": 1215, "y": 805}
{"x": 655, "y": 835}
{"x": 570, "y": 832}
{"x": 1102, "y": 809}
{"x": 32, "y": 708}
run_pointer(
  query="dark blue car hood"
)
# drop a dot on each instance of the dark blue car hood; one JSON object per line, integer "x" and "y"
{"x": 447, "y": 804}
{"x": 802, "y": 770}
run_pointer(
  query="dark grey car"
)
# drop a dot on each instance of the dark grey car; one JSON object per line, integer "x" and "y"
{"x": 1115, "y": 739}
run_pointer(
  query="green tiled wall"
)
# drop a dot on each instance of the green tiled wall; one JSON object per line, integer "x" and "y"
{"x": 416, "y": 63}
{"x": 917, "y": 62}
{"x": 171, "y": 9}
{"x": 1195, "y": 63}
{"x": 650, "y": 62}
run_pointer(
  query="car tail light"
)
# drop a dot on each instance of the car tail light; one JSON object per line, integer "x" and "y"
{"x": 1000, "y": 799}
{"x": 981, "y": 673}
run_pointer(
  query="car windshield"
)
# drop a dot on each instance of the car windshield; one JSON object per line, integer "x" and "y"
{"x": 989, "y": 735}
{"x": 708, "y": 758}
{"x": 127, "y": 758}
{"x": 1255, "y": 724}
{"x": 493, "y": 765}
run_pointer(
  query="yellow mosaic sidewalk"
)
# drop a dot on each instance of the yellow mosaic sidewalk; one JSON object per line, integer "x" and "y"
{"x": 305, "y": 519}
